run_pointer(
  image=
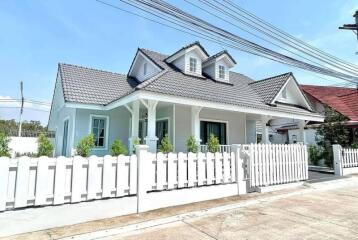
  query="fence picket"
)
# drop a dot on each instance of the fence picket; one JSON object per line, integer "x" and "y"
{"x": 172, "y": 170}
{"x": 233, "y": 166}
{"x": 201, "y": 168}
{"x": 254, "y": 164}
{"x": 60, "y": 180}
{"x": 107, "y": 176}
{"x": 76, "y": 179}
{"x": 23, "y": 171}
{"x": 93, "y": 178}
{"x": 181, "y": 170}
{"x": 122, "y": 175}
{"x": 210, "y": 168}
{"x": 41, "y": 181}
{"x": 4, "y": 178}
{"x": 161, "y": 171}
{"x": 133, "y": 172}
{"x": 191, "y": 169}
{"x": 218, "y": 168}
{"x": 226, "y": 163}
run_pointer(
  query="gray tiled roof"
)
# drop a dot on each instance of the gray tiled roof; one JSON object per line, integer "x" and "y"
{"x": 268, "y": 88}
{"x": 85, "y": 85}
{"x": 91, "y": 86}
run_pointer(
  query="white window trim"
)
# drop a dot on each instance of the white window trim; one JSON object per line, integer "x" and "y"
{"x": 105, "y": 148}
{"x": 219, "y": 121}
{"x": 196, "y": 64}
{"x": 224, "y": 73}
{"x": 67, "y": 118}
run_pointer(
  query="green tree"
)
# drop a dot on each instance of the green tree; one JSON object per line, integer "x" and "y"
{"x": 45, "y": 147}
{"x": 213, "y": 144}
{"x": 85, "y": 145}
{"x": 192, "y": 145}
{"x": 118, "y": 148}
{"x": 165, "y": 145}
{"x": 4, "y": 145}
{"x": 332, "y": 131}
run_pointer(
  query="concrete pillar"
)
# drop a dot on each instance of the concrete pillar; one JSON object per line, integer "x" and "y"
{"x": 195, "y": 123}
{"x": 337, "y": 160}
{"x": 142, "y": 177}
{"x": 151, "y": 139}
{"x": 302, "y": 132}
{"x": 265, "y": 130}
{"x": 240, "y": 169}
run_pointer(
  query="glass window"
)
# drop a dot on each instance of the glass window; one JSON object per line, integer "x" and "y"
{"x": 221, "y": 72}
{"x": 216, "y": 128}
{"x": 99, "y": 131}
{"x": 161, "y": 130}
{"x": 193, "y": 64}
{"x": 145, "y": 69}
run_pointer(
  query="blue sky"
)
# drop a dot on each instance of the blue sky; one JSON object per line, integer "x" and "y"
{"x": 37, "y": 35}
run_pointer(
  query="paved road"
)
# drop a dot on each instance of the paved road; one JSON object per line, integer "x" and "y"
{"x": 329, "y": 214}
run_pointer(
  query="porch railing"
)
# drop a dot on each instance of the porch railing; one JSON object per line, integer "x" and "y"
{"x": 223, "y": 148}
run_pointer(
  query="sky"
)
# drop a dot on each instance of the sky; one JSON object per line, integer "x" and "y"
{"x": 36, "y": 35}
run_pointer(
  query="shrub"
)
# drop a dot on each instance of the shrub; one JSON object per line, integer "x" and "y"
{"x": 85, "y": 145}
{"x": 118, "y": 148}
{"x": 4, "y": 145}
{"x": 213, "y": 144}
{"x": 192, "y": 145}
{"x": 45, "y": 147}
{"x": 314, "y": 154}
{"x": 136, "y": 142}
{"x": 165, "y": 145}
{"x": 354, "y": 145}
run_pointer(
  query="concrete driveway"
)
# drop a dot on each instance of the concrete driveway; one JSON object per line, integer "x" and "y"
{"x": 327, "y": 214}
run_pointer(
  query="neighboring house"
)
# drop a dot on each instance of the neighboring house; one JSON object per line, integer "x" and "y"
{"x": 182, "y": 94}
{"x": 342, "y": 100}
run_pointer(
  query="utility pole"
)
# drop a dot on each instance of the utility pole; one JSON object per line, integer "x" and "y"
{"x": 22, "y": 107}
{"x": 352, "y": 27}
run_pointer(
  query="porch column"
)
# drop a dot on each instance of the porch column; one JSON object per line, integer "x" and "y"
{"x": 134, "y": 110}
{"x": 301, "y": 125}
{"x": 195, "y": 123}
{"x": 265, "y": 129}
{"x": 151, "y": 139}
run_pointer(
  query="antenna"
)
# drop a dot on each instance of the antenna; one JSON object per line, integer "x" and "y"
{"x": 22, "y": 107}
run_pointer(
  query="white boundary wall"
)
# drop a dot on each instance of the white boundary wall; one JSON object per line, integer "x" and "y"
{"x": 345, "y": 160}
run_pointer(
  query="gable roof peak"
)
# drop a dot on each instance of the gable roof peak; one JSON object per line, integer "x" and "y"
{"x": 196, "y": 43}
{"x": 218, "y": 55}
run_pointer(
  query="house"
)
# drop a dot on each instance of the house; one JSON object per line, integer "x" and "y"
{"x": 184, "y": 93}
{"x": 342, "y": 100}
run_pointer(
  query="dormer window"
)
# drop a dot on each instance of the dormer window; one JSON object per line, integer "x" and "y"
{"x": 193, "y": 64}
{"x": 145, "y": 69}
{"x": 221, "y": 72}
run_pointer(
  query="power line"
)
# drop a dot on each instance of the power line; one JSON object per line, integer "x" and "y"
{"x": 207, "y": 28}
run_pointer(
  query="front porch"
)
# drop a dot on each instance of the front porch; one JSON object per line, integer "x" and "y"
{"x": 151, "y": 120}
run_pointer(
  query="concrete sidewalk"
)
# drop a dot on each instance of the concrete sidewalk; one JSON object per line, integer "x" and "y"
{"x": 321, "y": 210}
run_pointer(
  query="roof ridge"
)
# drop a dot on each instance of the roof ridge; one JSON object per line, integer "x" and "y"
{"x": 145, "y": 49}
{"x": 269, "y": 78}
{"x": 320, "y": 86}
{"x": 89, "y": 68}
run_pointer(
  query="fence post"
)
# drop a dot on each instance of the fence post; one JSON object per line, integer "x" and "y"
{"x": 337, "y": 157}
{"x": 142, "y": 179}
{"x": 240, "y": 169}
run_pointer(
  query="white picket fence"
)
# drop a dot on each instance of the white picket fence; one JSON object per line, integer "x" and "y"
{"x": 273, "y": 164}
{"x": 345, "y": 160}
{"x": 51, "y": 181}
{"x": 182, "y": 170}
{"x": 147, "y": 180}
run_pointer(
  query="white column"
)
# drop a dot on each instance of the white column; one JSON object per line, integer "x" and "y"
{"x": 337, "y": 160}
{"x": 142, "y": 177}
{"x": 134, "y": 110}
{"x": 265, "y": 130}
{"x": 302, "y": 132}
{"x": 195, "y": 123}
{"x": 151, "y": 139}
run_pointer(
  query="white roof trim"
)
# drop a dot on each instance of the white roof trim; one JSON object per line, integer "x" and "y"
{"x": 139, "y": 52}
{"x": 299, "y": 90}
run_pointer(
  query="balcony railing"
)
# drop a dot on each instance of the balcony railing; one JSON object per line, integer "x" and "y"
{"x": 223, "y": 148}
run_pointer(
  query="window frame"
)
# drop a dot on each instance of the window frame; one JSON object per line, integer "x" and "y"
{"x": 227, "y": 140}
{"x": 194, "y": 68}
{"x": 106, "y": 132}
{"x": 222, "y": 67}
